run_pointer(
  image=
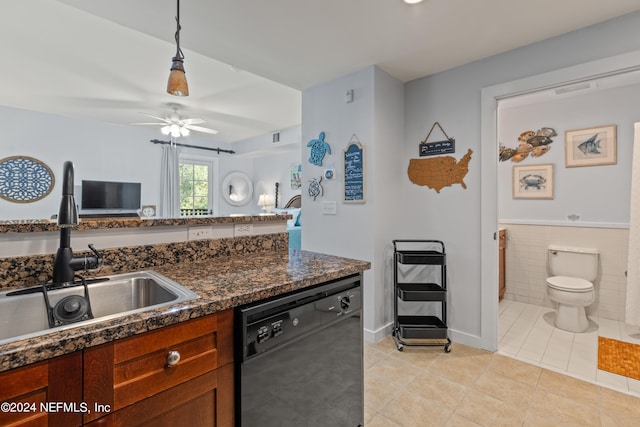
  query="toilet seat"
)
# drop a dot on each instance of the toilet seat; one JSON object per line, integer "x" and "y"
{"x": 569, "y": 284}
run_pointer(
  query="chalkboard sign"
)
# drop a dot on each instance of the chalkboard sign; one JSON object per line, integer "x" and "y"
{"x": 438, "y": 147}
{"x": 354, "y": 173}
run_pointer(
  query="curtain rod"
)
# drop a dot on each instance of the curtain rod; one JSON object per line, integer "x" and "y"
{"x": 218, "y": 150}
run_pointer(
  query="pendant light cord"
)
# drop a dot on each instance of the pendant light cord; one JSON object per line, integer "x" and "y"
{"x": 179, "y": 54}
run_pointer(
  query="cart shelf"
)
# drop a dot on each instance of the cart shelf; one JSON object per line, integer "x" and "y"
{"x": 421, "y": 329}
{"x": 421, "y": 292}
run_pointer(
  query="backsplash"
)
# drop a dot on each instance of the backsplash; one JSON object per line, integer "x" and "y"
{"x": 26, "y": 271}
{"x": 526, "y": 264}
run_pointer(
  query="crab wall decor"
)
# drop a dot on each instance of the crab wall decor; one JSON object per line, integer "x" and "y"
{"x": 530, "y": 143}
{"x": 318, "y": 150}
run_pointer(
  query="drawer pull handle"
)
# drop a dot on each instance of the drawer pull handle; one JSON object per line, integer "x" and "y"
{"x": 172, "y": 359}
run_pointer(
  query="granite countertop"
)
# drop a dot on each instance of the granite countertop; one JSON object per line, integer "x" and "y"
{"x": 39, "y": 225}
{"x": 221, "y": 282}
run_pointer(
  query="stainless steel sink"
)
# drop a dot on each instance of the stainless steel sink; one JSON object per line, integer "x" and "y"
{"x": 23, "y": 314}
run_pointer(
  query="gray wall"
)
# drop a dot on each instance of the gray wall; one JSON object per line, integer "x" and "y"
{"x": 453, "y": 98}
{"x": 598, "y": 194}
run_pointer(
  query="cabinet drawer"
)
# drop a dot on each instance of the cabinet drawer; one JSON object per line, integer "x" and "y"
{"x": 124, "y": 372}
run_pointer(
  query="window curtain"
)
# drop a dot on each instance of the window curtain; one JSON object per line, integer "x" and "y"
{"x": 170, "y": 182}
{"x": 632, "y": 312}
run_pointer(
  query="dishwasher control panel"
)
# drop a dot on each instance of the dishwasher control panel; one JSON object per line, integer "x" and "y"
{"x": 270, "y": 325}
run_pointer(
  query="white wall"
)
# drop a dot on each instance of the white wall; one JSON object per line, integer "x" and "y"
{"x": 358, "y": 230}
{"x": 98, "y": 150}
{"x": 575, "y": 189}
{"x": 271, "y": 162}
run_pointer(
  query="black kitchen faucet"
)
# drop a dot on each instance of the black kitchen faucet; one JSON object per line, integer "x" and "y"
{"x": 65, "y": 263}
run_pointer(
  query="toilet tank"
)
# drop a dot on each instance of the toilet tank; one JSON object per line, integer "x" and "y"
{"x": 573, "y": 262}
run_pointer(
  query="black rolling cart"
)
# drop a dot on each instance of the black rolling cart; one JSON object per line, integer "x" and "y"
{"x": 413, "y": 329}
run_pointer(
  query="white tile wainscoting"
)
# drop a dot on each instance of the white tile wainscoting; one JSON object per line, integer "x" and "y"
{"x": 526, "y": 264}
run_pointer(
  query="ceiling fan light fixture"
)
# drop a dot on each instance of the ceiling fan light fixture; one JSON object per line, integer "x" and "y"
{"x": 177, "y": 84}
{"x": 184, "y": 131}
{"x": 166, "y": 130}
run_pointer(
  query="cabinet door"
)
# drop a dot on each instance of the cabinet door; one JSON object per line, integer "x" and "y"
{"x": 37, "y": 392}
{"x": 502, "y": 259}
{"x": 128, "y": 371}
{"x": 205, "y": 401}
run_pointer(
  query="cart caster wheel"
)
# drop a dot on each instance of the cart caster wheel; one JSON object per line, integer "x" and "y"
{"x": 447, "y": 348}
{"x": 400, "y": 348}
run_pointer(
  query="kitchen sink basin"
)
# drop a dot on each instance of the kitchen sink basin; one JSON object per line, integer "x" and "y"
{"x": 24, "y": 313}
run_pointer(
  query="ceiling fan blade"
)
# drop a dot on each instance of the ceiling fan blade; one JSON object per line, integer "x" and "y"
{"x": 201, "y": 129}
{"x": 192, "y": 121}
{"x": 155, "y": 117}
{"x": 148, "y": 124}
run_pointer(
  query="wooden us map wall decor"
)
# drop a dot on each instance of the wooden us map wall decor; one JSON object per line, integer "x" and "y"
{"x": 439, "y": 172}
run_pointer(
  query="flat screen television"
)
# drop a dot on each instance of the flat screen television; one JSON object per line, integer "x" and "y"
{"x": 110, "y": 197}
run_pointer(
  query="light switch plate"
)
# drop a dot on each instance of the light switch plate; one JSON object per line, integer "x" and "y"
{"x": 329, "y": 208}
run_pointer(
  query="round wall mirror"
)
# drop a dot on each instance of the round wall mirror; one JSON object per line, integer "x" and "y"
{"x": 237, "y": 189}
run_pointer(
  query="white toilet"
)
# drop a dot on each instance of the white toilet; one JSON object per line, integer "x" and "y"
{"x": 573, "y": 271}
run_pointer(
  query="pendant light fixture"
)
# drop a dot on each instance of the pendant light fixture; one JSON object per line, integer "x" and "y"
{"x": 177, "y": 84}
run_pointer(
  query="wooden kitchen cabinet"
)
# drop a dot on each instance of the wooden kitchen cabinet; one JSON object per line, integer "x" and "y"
{"x": 34, "y": 391}
{"x": 502, "y": 259}
{"x": 131, "y": 383}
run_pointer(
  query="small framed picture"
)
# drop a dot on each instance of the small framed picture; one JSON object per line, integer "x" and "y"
{"x": 533, "y": 182}
{"x": 591, "y": 146}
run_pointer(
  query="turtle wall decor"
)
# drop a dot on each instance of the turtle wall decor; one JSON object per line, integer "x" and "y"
{"x": 315, "y": 188}
{"x": 319, "y": 147}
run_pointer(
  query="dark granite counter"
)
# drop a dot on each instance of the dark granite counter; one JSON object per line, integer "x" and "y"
{"x": 40, "y": 225}
{"x": 222, "y": 282}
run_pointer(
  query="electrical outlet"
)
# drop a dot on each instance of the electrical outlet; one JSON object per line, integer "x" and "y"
{"x": 199, "y": 233}
{"x": 329, "y": 208}
{"x": 243, "y": 230}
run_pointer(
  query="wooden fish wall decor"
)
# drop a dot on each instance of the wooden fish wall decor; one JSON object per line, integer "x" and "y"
{"x": 530, "y": 143}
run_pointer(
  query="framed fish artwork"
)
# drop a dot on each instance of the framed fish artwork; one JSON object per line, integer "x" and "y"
{"x": 591, "y": 146}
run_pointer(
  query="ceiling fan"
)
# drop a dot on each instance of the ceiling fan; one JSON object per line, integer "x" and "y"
{"x": 176, "y": 126}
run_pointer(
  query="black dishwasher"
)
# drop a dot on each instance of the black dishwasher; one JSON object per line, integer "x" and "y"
{"x": 299, "y": 358}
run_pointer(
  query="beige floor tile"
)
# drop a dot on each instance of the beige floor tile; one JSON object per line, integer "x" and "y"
{"x": 515, "y": 369}
{"x": 394, "y": 371}
{"x": 461, "y": 350}
{"x": 619, "y": 405}
{"x": 488, "y": 411}
{"x": 549, "y": 407}
{"x": 509, "y": 391}
{"x": 458, "y": 421}
{"x": 378, "y": 392}
{"x": 570, "y": 388}
{"x": 420, "y": 357}
{"x": 372, "y": 355}
{"x": 463, "y": 370}
{"x": 381, "y": 421}
{"x": 409, "y": 410}
{"x": 439, "y": 390}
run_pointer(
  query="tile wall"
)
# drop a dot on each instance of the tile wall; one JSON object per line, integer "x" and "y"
{"x": 526, "y": 264}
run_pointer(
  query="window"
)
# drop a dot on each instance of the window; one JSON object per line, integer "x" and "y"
{"x": 197, "y": 193}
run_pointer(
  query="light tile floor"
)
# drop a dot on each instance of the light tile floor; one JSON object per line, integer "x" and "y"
{"x": 526, "y": 332}
{"x": 423, "y": 386}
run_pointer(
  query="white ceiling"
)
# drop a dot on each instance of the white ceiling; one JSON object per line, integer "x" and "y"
{"x": 109, "y": 60}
